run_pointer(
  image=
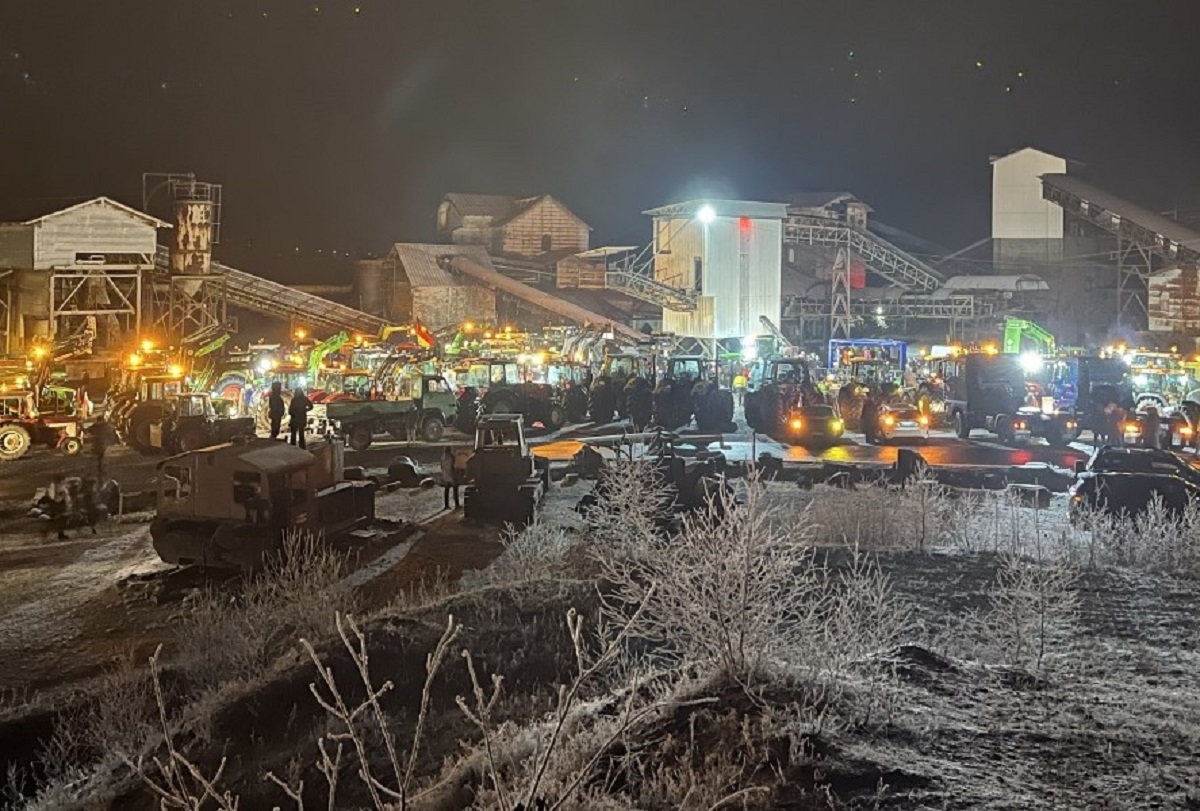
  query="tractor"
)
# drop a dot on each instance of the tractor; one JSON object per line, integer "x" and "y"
{"x": 498, "y": 386}
{"x": 572, "y": 383}
{"x": 182, "y": 421}
{"x": 617, "y": 379}
{"x": 689, "y": 388}
{"x": 506, "y": 481}
{"x": 778, "y": 387}
{"x": 22, "y": 427}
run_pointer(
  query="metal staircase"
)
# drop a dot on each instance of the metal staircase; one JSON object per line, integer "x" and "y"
{"x": 646, "y": 288}
{"x": 901, "y": 269}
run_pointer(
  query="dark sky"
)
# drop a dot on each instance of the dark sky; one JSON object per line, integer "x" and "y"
{"x": 338, "y": 125}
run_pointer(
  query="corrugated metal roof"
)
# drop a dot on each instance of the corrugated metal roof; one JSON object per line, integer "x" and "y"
{"x": 723, "y": 208}
{"x": 420, "y": 262}
{"x": 821, "y": 199}
{"x": 276, "y": 457}
{"x": 1008, "y": 283}
{"x": 1147, "y": 219}
{"x": 105, "y": 201}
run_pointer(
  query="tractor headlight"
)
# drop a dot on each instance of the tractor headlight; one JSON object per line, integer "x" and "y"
{"x": 836, "y": 425}
{"x": 796, "y": 424}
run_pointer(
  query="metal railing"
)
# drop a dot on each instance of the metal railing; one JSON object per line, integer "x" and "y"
{"x": 882, "y": 257}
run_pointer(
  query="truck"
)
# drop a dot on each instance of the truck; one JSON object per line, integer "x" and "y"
{"x": 426, "y": 406}
{"x": 987, "y": 391}
{"x": 1085, "y": 385}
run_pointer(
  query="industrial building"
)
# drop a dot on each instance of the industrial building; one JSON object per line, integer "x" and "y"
{"x": 81, "y": 268}
{"x": 420, "y": 290}
{"x": 728, "y": 253}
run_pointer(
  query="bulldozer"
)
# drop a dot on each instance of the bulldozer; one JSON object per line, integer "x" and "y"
{"x": 229, "y": 506}
{"x": 506, "y": 481}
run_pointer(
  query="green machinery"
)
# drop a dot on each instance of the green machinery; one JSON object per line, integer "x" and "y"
{"x": 1019, "y": 333}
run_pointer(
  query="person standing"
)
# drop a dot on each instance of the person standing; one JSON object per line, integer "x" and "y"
{"x": 103, "y": 436}
{"x": 870, "y": 417}
{"x": 276, "y": 408}
{"x": 450, "y": 478}
{"x": 298, "y": 418}
{"x": 739, "y": 386}
{"x": 1151, "y": 428}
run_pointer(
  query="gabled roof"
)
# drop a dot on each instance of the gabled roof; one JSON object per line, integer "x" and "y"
{"x": 501, "y": 208}
{"x": 420, "y": 262}
{"x": 496, "y": 206}
{"x": 722, "y": 208}
{"x": 1009, "y": 154}
{"x": 821, "y": 199}
{"x": 103, "y": 201}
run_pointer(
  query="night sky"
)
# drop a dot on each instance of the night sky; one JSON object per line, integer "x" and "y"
{"x": 337, "y": 126}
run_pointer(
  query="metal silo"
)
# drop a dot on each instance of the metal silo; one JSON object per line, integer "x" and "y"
{"x": 370, "y": 286}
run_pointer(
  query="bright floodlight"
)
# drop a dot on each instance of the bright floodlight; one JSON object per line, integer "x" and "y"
{"x": 706, "y": 214}
{"x": 1031, "y": 362}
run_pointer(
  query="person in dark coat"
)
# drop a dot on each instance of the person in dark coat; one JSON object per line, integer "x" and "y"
{"x": 870, "y": 417}
{"x": 103, "y": 436}
{"x": 276, "y": 408}
{"x": 450, "y": 478}
{"x": 1151, "y": 428}
{"x": 298, "y": 417}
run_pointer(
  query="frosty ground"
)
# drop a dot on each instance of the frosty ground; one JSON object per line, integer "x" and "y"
{"x": 1037, "y": 665}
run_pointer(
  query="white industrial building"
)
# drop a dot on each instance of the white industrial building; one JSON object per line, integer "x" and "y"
{"x": 1025, "y": 226}
{"x": 728, "y": 253}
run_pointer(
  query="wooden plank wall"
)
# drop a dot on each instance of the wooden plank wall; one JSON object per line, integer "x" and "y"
{"x": 522, "y": 236}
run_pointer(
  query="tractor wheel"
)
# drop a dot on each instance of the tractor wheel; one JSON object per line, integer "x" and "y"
{"x": 576, "y": 405}
{"x": 72, "y": 446}
{"x": 503, "y": 403}
{"x": 432, "y": 428}
{"x": 14, "y": 442}
{"x": 191, "y": 439}
{"x": 360, "y": 437}
{"x": 961, "y": 428}
{"x": 139, "y": 434}
{"x": 603, "y": 403}
{"x": 555, "y": 417}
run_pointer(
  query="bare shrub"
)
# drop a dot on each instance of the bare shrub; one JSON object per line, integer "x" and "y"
{"x": 737, "y": 591}
{"x": 230, "y": 637}
{"x": 1033, "y": 602}
{"x": 629, "y": 501}
{"x": 881, "y": 516}
{"x": 540, "y": 551}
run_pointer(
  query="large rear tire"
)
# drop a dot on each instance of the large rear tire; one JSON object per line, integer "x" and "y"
{"x": 603, "y": 403}
{"x": 432, "y": 428}
{"x": 360, "y": 437}
{"x": 555, "y": 418}
{"x": 14, "y": 442}
{"x": 961, "y": 428}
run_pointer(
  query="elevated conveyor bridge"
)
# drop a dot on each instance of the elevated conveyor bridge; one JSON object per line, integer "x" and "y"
{"x": 1144, "y": 239}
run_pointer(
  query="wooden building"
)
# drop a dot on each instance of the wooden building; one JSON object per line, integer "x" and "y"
{"x": 79, "y": 268}
{"x": 521, "y": 227}
{"x": 417, "y": 289}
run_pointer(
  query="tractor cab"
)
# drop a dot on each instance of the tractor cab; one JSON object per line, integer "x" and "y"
{"x": 506, "y": 482}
